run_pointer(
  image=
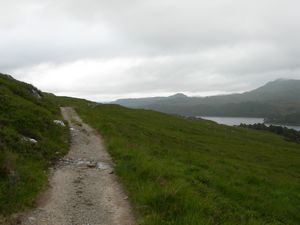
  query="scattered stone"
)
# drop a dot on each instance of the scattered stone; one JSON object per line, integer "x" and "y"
{"x": 29, "y": 140}
{"x": 31, "y": 218}
{"x": 32, "y": 140}
{"x": 102, "y": 166}
{"x": 36, "y": 94}
{"x": 77, "y": 181}
{"x": 80, "y": 162}
{"x": 89, "y": 204}
{"x": 59, "y": 122}
{"x": 91, "y": 165}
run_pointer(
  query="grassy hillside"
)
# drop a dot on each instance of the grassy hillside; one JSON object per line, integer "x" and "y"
{"x": 29, "y": 142}
{"x": 181, "y": 171}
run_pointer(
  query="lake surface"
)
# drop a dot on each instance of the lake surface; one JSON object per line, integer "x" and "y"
{"x": 231, "y": 121}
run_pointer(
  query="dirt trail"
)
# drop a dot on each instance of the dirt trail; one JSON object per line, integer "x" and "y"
{"x": 83, "y": 189}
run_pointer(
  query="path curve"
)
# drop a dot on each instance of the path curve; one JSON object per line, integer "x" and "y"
{"x": 83, "y": 189}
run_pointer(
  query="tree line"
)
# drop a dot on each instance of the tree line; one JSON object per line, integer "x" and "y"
{"x": 288, "y": 134}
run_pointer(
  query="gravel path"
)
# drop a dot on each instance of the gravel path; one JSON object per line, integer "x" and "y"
{"x": 83, "y": 189}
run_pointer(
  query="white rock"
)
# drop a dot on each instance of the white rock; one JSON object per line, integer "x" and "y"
{"x": 29, "y": 139}
{"x": 32, "y": 140}
{"x": 31, "y": 218}
{"x": 36, "y": 94}
{"x": 102, "y": 166}
{"x": 59, "y": 122}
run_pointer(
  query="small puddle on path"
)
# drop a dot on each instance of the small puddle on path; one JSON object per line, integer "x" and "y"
{"x": 85, "y": 163}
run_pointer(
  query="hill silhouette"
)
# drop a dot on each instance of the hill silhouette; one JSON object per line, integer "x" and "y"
{"x": 276, "y": 99}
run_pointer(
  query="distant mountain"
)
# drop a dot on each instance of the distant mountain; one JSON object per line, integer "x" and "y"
{"x": 277, "y": 98}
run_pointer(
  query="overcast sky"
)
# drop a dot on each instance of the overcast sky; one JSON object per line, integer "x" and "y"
{"x": 108, "y": 49}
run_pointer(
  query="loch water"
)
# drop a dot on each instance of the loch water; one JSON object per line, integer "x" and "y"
{"x": 234, "y": 121}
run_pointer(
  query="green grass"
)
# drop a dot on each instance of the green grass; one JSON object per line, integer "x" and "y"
{"x": 189, "y": 172}
{"x": 26, "y": 112}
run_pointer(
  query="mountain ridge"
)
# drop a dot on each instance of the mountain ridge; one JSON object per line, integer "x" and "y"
{"x": 276, "y": 98}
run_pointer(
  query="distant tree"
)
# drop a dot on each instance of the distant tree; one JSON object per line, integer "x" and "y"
{"x": 289, "y": 134}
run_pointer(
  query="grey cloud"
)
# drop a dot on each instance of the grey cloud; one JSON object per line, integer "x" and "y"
{"x": 121, "y": 47}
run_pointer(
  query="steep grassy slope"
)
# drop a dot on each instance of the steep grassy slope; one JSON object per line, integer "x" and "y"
{"x": 26, "y": 116}
{"x": 181, "y": 171}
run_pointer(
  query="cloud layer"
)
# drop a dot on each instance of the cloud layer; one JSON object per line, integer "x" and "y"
{"x": 103, "y": 50}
